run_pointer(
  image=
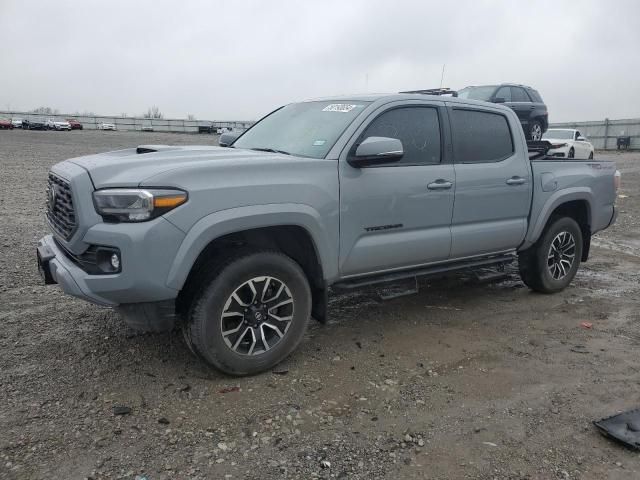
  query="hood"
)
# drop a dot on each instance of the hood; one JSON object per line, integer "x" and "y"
{"x": 134, "y": 166}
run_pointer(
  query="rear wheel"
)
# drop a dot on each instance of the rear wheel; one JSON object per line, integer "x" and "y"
{"x": 551, "y": 263}
{"x": 535, "y": 130}
{"x": 250, "y": 313}
{"x": 591, "y": 156}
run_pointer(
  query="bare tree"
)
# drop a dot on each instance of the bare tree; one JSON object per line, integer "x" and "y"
{"x": 45, "y": 111}
{"x": 191, "y": 117}
{"x": 153, "y": 112}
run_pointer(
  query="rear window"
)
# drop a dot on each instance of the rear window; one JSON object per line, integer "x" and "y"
{"x": 535, "y": 96}
{"x": 480, "y": 136}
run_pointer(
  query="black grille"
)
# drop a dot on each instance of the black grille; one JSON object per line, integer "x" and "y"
{"x": 60, "y": 211}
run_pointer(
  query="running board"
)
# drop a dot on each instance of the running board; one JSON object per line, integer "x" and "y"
{"x": 424, "y": 272}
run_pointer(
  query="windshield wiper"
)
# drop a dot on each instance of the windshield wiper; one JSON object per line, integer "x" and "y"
{"x": 271, "y": 150}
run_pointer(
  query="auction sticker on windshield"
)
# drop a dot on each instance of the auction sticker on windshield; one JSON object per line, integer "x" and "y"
{"x": 340, "y": 107}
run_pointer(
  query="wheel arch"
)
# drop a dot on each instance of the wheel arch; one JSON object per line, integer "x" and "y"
{"x": 296, "y": 231}
{"x": 576, "y": 205}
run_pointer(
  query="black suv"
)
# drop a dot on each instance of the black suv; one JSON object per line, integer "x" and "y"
{"x": 525, "y": 101}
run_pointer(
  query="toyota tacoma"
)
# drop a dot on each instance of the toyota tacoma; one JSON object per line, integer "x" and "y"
{"x": 239, "y": 244}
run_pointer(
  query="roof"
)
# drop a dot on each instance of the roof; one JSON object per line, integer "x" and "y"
{"x": 389, "y": 97}
{"x": 502, "y": 85}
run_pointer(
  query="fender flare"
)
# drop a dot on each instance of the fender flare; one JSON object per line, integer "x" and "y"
{"x": 554, "y": 201}
{"x": 248, "y": 217}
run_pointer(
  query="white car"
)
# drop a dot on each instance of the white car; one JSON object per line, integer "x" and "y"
{"x": 16, "y": 122}
{"x": 575, "y": 145}
{"x": 52, "y": 124}
{"x": 107, "y": 126}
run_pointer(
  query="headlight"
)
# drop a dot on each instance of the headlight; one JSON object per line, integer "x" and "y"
{"x": 136, "y": 205}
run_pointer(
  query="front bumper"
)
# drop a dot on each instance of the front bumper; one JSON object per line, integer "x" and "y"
{"x": 146, "y": 250}
{"x": 55, "y": 267}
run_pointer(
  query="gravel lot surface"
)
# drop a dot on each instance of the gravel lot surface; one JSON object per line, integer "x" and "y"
{"x": 466, "y": 379}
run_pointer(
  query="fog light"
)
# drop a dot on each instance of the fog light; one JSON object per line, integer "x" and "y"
{"x": 115, "y": 261}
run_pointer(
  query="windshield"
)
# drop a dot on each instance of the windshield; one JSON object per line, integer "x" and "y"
{"x": 558, "y": 134}
{"x": 307, "y": 129}
{"x": 477, "y": 93}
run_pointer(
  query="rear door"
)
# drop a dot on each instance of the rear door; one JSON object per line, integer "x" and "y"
{"x": 493, "y": 182}
{"x": 398, "y": 215}
{"x": 521, "y": 104}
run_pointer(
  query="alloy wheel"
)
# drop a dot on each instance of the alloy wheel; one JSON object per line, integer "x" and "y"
{"x": 257, "y": 315}
{"x": 561, "y": 255}
{"x": 536, "y": 131}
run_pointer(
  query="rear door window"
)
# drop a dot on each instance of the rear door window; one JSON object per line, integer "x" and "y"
{"x": 519, "y": 95}
{"x": 480, "y": 136}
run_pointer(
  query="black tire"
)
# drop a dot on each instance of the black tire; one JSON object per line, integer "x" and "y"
{"x": 535, "y": 130}
{"x": 572, "y": 153}
{"x": 204, "y": 323}
{"x": 534, "y": 263}
{"x": 591, "y": 156}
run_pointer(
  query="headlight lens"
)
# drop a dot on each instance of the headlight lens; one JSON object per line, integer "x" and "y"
{"x": 136, "y": 205}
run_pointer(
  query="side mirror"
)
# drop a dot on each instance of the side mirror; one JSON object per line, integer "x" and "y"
{"x": 581, "y": 139}
{"x": 228, "y": 138}
{"x": 499, "y": 100}
{"x": 376, "y": 151}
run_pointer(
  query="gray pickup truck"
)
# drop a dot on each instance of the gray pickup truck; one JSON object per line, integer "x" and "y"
{"x": 239, "y": 244}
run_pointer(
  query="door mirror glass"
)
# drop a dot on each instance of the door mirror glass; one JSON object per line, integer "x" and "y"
{"x": 226, "y": 139}
{"x": 376, "y": 151}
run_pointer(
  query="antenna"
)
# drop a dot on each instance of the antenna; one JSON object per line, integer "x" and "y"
{"x": 442, "y": 76}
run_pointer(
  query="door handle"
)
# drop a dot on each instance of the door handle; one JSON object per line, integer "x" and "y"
{"x": 532, "y": 107}
{"x": 440, "y": 184}
{"x": 516, "y": 181}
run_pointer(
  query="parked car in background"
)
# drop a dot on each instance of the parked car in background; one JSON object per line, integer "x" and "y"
{"x": 107, "y": 126}
{"x": 53, "y": 124}
{"x": 16, "y": 122}
{"x": 524, "y": 100}
{"x": 34, "y": 124}
{"x": 147, "y": 128}
{"x": 75, "y": 124}
{"x": 574, "y": 144}
{"x": 5, "y": 124}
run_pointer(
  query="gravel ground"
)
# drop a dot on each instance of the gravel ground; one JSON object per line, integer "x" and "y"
{"x": 466, "y": 379}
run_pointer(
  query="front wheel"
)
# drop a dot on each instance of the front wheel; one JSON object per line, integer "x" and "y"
{"x": 572, "y": 153}
{"x": 551, "y": 263}
{"x": 251, "y": 313}
{"x": 590, "y": 155}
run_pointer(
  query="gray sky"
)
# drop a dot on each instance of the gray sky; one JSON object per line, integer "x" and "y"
{"x": 237, "y": 60}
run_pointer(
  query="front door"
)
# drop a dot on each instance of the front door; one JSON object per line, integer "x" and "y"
{"x": 493, "y": 183}
{"x": 398, "y": 215}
